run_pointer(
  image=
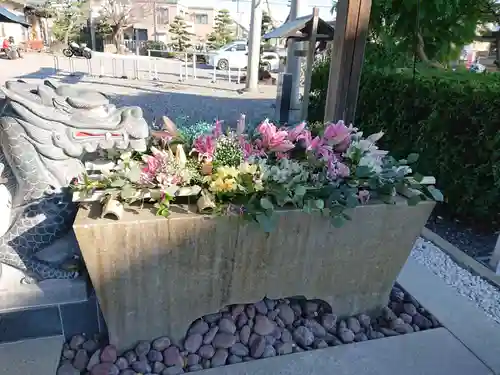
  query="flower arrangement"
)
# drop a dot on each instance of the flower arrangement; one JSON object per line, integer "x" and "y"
{"x": 253, "y": 174}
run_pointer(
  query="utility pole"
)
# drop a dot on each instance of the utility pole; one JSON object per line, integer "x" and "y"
{"x": 293, "y": 61}
{"x": 155, "y": 28}
{"x": 254, "y": 46}
{"x": 92, "y": 27}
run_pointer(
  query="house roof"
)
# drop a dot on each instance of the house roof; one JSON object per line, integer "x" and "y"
{"x": 300, "y": 28}
{"x": 9, "y": 17}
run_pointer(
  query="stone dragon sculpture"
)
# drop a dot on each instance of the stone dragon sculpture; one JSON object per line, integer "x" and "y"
{"x": 45, "y": 132}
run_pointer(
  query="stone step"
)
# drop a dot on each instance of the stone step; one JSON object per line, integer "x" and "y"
{"x": 17, "y": 296}
{"x": 38, "y": 356}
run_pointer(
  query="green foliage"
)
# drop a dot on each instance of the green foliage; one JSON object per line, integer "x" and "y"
{"x": 155, "y": 48}
{"x": 222, "y": 33}
{"x": 181, "y": 37}
{"x": 69, "y": 17}
{"x": 267, "y": 23}
{"x": 450, "y": 118}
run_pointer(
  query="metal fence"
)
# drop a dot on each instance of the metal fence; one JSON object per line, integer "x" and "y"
{"x": 182, "y": 67}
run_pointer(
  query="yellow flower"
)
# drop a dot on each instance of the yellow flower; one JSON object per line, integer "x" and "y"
{"x": 227, "y": 172}
{"x": 247, "y": 168}
{"x": 258, "y": 186}
{"x": 221, "y": 185}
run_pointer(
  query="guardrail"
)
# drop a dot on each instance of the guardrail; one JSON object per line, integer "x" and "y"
{"x": 184, "y": 66}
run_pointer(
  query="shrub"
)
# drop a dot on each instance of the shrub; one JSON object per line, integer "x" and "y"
{"x": 451, "y": 119}
{"x": 157, "y": 48}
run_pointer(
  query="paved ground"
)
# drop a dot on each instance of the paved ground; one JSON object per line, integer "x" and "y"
{"x": 199, "y": 99}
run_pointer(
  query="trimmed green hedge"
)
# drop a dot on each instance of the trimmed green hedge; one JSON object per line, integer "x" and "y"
{"x": 451, "y": 119}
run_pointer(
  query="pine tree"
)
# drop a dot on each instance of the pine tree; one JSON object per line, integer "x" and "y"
{"x": 222, "y": 33}
{"x": 181, "y": 37}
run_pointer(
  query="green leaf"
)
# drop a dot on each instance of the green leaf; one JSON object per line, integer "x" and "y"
{"x": 418, "y": 177}
{"x": 336, "y": 209}
{"x": 338, "y": 221}
{"x": 300, "y": 191}
{"x": 266, "y": 222}
{"x": 118, "y": 183}
{"x": 412, "y": 158}
{"x": 414, "y": 200}
{"x": 134, "y": 174}
{"x": 435, "y": 193}
{"x": 127, "y": 192}
{"x": 363, "y": 171}
{"x": 319, "y": 203}
{"x": 352, "y": 201}
{"x": 266, "y": 204}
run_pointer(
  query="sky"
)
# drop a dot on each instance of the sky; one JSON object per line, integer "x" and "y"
{"x": 279, "y": 8}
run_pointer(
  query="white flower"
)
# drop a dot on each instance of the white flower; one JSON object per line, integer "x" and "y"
{"x": 369, "y": 161}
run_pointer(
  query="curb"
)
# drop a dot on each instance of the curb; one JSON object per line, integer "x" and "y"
{"x": 462, "y": 258}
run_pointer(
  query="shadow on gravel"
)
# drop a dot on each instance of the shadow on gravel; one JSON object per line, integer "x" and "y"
{"x": 50, "y": 73}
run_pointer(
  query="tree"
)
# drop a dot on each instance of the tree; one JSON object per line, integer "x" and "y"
{"x": 267, "y": 23}
{"x": 119, "y": 15}
{"x": 435, "y": 31}
{"x": 69, "y": 16}
{"x": 222, "y": 33}
{"x": 181, "y": 37}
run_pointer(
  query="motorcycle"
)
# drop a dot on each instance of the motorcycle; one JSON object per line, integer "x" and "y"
{"x": 12, "y": 53}
{"x": 77, "y": 50}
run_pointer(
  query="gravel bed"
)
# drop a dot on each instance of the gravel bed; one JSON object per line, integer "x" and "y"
{"x": 241, "y": 333}
{"x": 478, "y": 290}
{"x": 470, "y": 241}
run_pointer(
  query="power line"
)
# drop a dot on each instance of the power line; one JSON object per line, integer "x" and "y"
{"x": 275, "y": 3}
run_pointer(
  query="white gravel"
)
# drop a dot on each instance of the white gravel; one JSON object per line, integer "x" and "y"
{"x": 482, "y": 293}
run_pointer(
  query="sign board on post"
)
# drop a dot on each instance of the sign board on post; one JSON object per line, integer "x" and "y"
{"x": 284, "y": 97}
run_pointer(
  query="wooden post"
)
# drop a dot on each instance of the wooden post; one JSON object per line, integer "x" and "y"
{"x": 351, "y": 32}
{"x": 309, "y": 64}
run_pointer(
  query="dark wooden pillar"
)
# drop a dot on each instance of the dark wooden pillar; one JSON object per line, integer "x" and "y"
{"x": 351, "y": 32}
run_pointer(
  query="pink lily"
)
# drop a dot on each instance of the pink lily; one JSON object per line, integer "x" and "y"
{"x": 316, "y": 145}
{"x": 204, "y": 146}
{"x": 274, "y": 140}
{"x": 295, "y": 133}
{"x": 217, "y": 130}
{"x": 363, "y": 196}
{"x": 338, "y": 135}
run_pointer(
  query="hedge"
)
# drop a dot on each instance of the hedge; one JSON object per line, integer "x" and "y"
{"x": 451, "y": 119}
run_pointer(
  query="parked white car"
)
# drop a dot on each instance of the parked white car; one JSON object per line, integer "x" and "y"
{"x": 231, "y": 56}
{"x": 235, "y": 56}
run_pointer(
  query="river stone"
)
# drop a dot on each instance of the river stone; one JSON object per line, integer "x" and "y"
{"x": 105, "y": 369}
{"x": 303, "y": 336}
{"x": 227, "y": 326}
{"x": 346, "y": 335}
{"x": 142, "y": 348}
{"x": 329, "y": 322}
{"x": 90, "y": 346}
{"x": 397, "y": 295}
{"x": 209, "y": 336}
{"x": 257, "y": 347}
{"x": 261, "y": 307}
{"x": 388, "y": 314}
{"x": 286, "y": 336}
{"x": 410, "y": 309}
{"x": 109, "y": 354}
{"x": 403, "y": 328}
{"x": 155, "y": 356}
{"x": 251, "y": 322}
{"x": 172, "y": 357}
{"x": 121, "y": 363}
{"x": 237, "y": 310}
{"x": 406, "y": 318}
{"x": 284, "y": 348}
{"x": 67, "y": 369}
{"x": 212, "y": 318}
{"x": 434, "y": 321}
{"x": 68, "y": 354}
{"x": 206, "y": 363}
{"x": 193, "y": 359}
{"x": 388, "y": 332}
{"x": 396, "y": 323}
{"x": 239, "y": 349}
{"x": 422, "y": 322}
{"x": 94, "y": 359}
{"x": 242, "y": 320}
{"x": 270, "y": 340}
{"x": 161, "y": 343}
{"x": 194, "y": 368}
{"x": 76, "y": 342}
{"x": 248, "y": 359}
{"x": 297, "y": 309}
{"x": 233, "y": 359}
{"x": 360, "y": 337}
{"x": 206, "y": 351}
{"x": 263, "y": 326}
{"x": 81, "y": 360}
{"x": 272, "y": 315}
{"x": 279, "y": 322}
{"x": 364, "y": 320}
{"x": 128, "y": 371}
{"x": 277, "y": 333}
{"x": 219, "y": 358}
{"x": 174, "y": 370}
{"x": 311, "y": 309}
{"x": 223, "y": 340}
{"x": 332, "y": 340}
{"x": 353, "y": 325}
{"x": 317, "y": 329}
{"x": 269, "y": 351}
{"x": 141, "y": 366}
{"x": 245, "y": 334}
{"x": 270, "y": 303}
{"x": 250, "y": 310}
{"x": 193, "y": 342}
{"x": 252, "y": 338}
{"x": 320, "y": 344}
{"x": 342, "y": 325}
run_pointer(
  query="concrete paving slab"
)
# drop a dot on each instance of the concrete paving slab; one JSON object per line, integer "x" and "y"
{"x": 30, "y": 357}
{"x": 434, "y": 352}
{"x": 460, "y": 316}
